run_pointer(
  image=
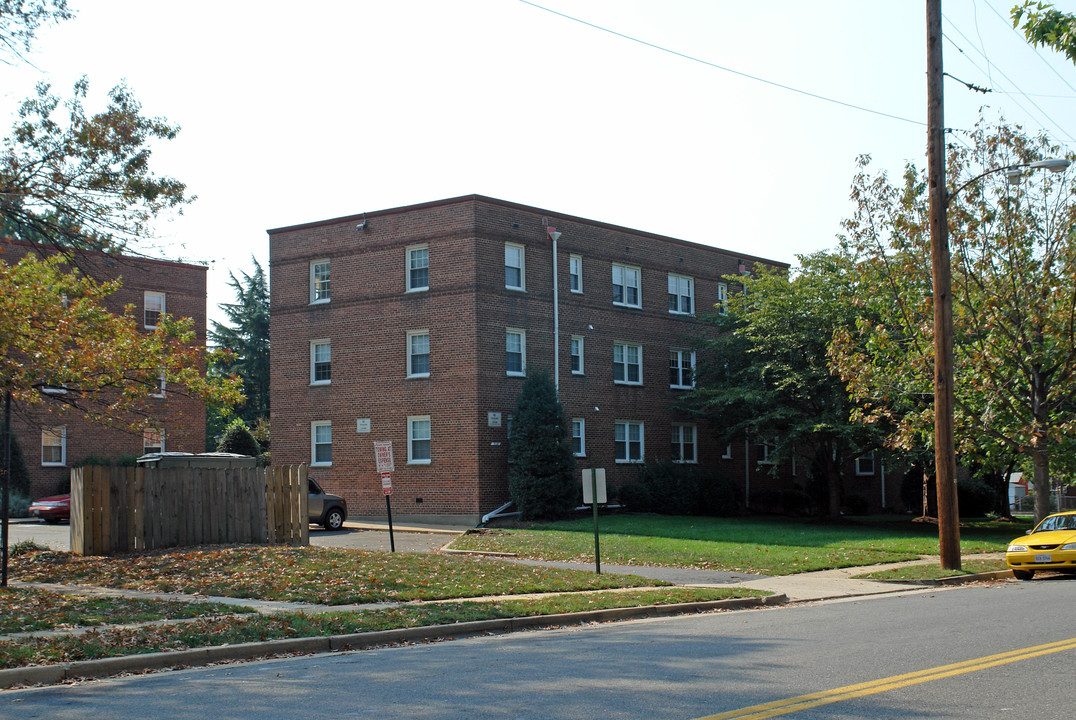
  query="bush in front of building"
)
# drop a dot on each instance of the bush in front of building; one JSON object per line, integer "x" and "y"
{"x": 20, "y": 476}
{"x": 669, "y": 488}
{"x": 18, "y": 504}
{"x": 238, "y": 439}
{"x": 541, "y": 467}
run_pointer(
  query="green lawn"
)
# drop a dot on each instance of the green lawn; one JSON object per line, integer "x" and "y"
{"x": 764, "y": 546}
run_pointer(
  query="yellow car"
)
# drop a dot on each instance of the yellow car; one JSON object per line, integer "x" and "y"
{"x": 1050, "y": 546}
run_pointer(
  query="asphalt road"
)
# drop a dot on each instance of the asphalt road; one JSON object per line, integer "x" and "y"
{"x": 682, "y": 668}
{"x": 58, "y": 537}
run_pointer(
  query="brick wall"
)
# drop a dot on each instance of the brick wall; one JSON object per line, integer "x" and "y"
{"x": 181, "y": 417}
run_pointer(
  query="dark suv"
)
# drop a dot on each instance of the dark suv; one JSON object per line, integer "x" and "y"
{"x": 325, "y": 508}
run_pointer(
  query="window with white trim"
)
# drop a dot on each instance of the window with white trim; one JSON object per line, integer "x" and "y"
{"x": 54, "y": 445}
{"x": 579, "y": 437}
{"x": 418, "y": 268}
{"x": 627, "y": 364}
{"x": 319, "y": 281}
{"x": 418, "y": 440}
{"x": 684, "y": 438}
{"x": 160, "y": 386}
{"x": 321, "y": 443}
{"x": 681, "y": 294}
{"x": 152, "y": 441}
{"x": 865, "y": 464}
{"x": 628, "y": 441}
{"x": 765, "y": 448}
{"x": 515, "y": 352}
{"x": 418, "y": 354}
{"x": 577, "y": 354}
{"x": 728, "y": 452}
{"x": 514, "y": 266}
{"x": 154, "y": 308}
{"x": 575, "y": 273}
{"x": 627, "y": 289}
{"x": 722, "y": 298}
{"x": 320, "y": 362}
{"x": 681, "y": 368}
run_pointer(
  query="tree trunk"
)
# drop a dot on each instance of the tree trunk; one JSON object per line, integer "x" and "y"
{"x": 1040, "y": 458}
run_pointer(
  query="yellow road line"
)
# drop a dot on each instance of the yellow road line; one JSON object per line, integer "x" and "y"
{"x": 826, "y": 697}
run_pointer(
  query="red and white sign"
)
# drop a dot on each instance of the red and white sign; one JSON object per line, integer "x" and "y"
{"x": 383, "y": 453}
{"x": 386, "y": 483}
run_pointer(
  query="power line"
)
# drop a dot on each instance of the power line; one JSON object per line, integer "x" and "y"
{"x": 723, "y": 68}
{"x": 1033, "y": 48}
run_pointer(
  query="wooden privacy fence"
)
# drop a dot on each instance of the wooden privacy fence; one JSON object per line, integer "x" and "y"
{"x": 125, "y": 509}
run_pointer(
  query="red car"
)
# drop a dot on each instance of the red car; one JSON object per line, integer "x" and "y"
{"x": 52, "y": 509}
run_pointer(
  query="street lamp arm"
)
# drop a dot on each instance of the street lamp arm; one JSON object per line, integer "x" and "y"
{"x": 1055, "y": 165}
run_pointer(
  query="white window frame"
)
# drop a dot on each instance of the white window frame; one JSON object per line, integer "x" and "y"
{"x": 861, "y": 462}
{"x": 147, "y": 297}
{"x": 411, "y": 336}
{"x": 680, "y": 354}
{"x": 575, "y": 273}
{"x": 522, "y": 372}
{"x": 315, "y": 361}
{"x": 728, "y": 452}
{"x": 722, "y": 298}
{"x": 581, "y": 436}
{"x": 575, "y": 342}
{"x": 623, "y": 348}
{"x": 318, "y": 295}
{"x": 410, "y": 263}
{"x": 149, "y": 435}
{"x": 679, "y": 442}
{"x": 54, "y": 437}
{"x": 627, "y": 426}
{"x": 315, "y": 426}
{"x": 522, "y": 268}
{"x": 625, "y": 273}
{"x": 412, "y": 438}
{"x": 677, "y": 295}
{"x": 766, "y": 446}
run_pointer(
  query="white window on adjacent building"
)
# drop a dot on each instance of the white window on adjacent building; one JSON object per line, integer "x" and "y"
{"x": 160, "y": 386}
{"x": 683, "y": 443}
{"x": 514, "y": 266}
{"x": 320, "y": 362}
{"x": 321, "y": 443}
{"x": 579, "y": 437}
{"x": 627, "y": 289}
{"x": 577, "y": 354}
{"x": 515, "y": 352}
{"x": 418, "y": 439}
{"x": 54, "y": 445}
{"x": 722, "y": 298}
{"x": 152, "y": 441}
{"x": 575, "y": 273}
{"x": 418, "y": 354}
{"x": 865, "y": 464}
{"x": 154, "y": 308}
{"x": 681, "y": 294}
{"x": 765, "y": 449}
{"x": 628, "y": 441}
{"x": 319, "y": 281}
{"x": 681, "y": 368}
{"x": 728, "y": 452}
{"x": 627, "y": 364}
{"x": 418, "y": 268}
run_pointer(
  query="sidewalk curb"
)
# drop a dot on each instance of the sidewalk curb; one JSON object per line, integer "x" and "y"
{"x": 956, "y": 579}
{"x": 85, "y": 669}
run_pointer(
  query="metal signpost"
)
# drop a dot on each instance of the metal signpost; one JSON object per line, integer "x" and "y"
{"x": 385, "y": 466}
{"x": 594, "y": 495}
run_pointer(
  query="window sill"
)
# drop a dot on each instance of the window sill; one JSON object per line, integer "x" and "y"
{"x": 321, "y": 465}
{"x": 625, "y": 305}
{"x": 515, "y": 289}
{"x": 516, "y": 374}
{"x": 417, "y": 290}
{"x": 420, "y": 376}
{"x": 681, "y": 387}
{"x": 628, "y": 383}
{"x": 578, "y": 373}
{"x": 629, "y": 462}
{"x": 419, "y": 462}
{"x": 321, "y": 383}
{"x": 49, "y": 464}
{"x": 320, "y": 302}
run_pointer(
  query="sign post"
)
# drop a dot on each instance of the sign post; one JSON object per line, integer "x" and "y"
{"x": 385, "y": 466}
{"x": 594, "y": 494}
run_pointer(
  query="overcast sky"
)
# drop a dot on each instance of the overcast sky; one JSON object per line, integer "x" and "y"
{"x": 296, "y": 112}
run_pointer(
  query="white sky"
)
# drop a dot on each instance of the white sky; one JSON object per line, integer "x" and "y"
{"x": 300, "y": 112}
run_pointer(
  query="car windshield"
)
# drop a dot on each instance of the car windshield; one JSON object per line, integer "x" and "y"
{"x": 1058, "y": 522}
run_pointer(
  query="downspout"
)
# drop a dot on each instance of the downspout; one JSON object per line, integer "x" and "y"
{"x": 746, "y": 470}
{"x": 554, "y": 236}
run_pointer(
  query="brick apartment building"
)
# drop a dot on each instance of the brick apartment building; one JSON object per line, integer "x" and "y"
{"x": 419, "y": 324}
{"x": 54, "y": 442}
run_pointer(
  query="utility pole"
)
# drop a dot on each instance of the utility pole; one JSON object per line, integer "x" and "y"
{"x": 944, "y": 446}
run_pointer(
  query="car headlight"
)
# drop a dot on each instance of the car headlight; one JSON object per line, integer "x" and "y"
{"x": 1017, "y": 548}
{"x": 1070, "y": 546}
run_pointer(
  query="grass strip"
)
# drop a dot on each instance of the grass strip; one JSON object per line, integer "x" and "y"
{"x": 934, "y": 571}
{"x": 207, "y": 632}
{"x": 767, "y": 546}
{"x": 325, "y": 576}
{"x": 30, "y": 609}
